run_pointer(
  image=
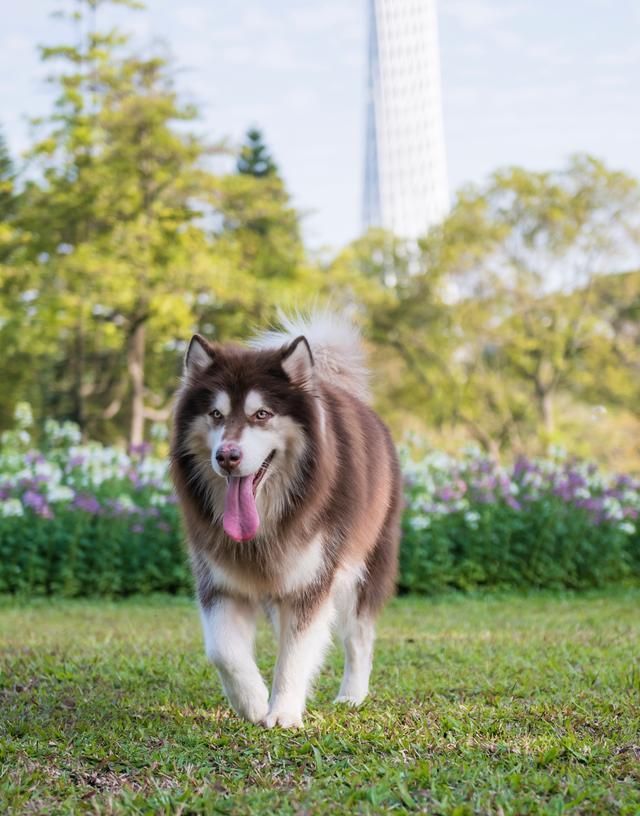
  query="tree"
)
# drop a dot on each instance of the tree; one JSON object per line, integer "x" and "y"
{"x": 497, "y": 313}
{"x": 114, "y": 219}
{"x": 258, "y": 249}
{"x": 611, "y": 370}
{"x": 129, "y": 242}
{"x": 566, "y": 229}
{"x": 254, "y": 158}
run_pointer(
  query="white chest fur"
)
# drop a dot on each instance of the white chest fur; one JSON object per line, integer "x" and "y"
{"x": 299, "y": 569}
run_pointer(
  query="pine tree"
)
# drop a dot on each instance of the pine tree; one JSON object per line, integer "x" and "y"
{"x": 255, "y": 158}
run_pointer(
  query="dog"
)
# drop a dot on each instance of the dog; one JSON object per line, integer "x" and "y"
{"x": 290, "y": 491}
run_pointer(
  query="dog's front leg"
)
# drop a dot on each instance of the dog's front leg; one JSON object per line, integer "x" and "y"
{"x": 303, "y": 640}
{"x": 229, "y": 626}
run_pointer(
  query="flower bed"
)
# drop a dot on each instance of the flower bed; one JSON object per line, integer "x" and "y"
{"x": 87, "y": 519}
{"x": 551, "y": 522}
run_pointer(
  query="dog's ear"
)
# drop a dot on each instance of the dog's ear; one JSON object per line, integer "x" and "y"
{"x": 199, "y": 356}
{"x": 297, "y": 362}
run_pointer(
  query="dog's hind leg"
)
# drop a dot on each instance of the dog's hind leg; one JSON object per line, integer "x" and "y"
{"x": 229, "y": 626}
{"x": 360, "y": 603}
{"x": 356, "y": 628}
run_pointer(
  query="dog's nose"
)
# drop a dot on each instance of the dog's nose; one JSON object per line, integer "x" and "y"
{"x": 228, "y": 457}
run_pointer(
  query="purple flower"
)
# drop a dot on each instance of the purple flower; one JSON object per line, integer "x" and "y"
{"x": 134, "y": 478}
{"x": 33, "y": 456}
{"x": 37, "y": 503}
{"x": 520, "y": 467}
{"x": 140, "y": 450}
{"x": 484, "y": 498}
{"x": 576, "y": 479}
{"x": 118, "y": 508}
{"x": 87, "y": 503}
{"x": 137, "y": 528}
{"x": 615, "y": 494}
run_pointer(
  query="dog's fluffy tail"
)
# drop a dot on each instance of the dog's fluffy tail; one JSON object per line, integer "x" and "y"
{"x": 335, "y": 343}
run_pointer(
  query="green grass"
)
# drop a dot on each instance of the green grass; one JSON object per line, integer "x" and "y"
{"x": 479, "y": 705}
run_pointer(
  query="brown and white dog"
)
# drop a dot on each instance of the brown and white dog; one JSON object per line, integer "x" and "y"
{"x": 291, "y": 494}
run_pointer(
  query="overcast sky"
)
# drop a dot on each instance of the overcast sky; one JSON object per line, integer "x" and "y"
{"x": 525, "y": 82}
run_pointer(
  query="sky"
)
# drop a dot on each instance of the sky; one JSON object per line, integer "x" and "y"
{"x": 524, "y": 82}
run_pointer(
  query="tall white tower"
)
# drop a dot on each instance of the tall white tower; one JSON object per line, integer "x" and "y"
{"x": 405, "y": 185}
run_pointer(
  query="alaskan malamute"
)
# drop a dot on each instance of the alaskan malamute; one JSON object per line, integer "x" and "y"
{"x": 291, "y": 494}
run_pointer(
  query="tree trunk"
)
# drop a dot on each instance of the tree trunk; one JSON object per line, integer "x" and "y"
{"x": 136, "y": 372}
{"x": 546, "y": 411}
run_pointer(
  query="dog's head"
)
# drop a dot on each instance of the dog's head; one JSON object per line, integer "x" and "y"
{"x": 243, "y": 416}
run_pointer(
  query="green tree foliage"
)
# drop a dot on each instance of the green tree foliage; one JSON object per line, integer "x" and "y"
{"x": 113, "y": 222}
{"x": 131, "y": 241}
{"x": 500, "y": 310}
{"x": 258, "y": 247}
{"x": 609, "y": 375}
{"x": 254, "y": 158}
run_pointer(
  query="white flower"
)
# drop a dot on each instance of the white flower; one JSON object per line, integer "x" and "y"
{"x": 627, "y": 527}
{"x": 23, "y": 415}
{"x": 420, "y": 522}
{"x": 11, "y": 507}
{"x": 48, "y": 471}
{"x": 65, "y": 433}
{"x": 472, "y": 518}
{"x": 126, "y": 501}
{"x": 613, "y": 508}
{"x": 60, "y": 493}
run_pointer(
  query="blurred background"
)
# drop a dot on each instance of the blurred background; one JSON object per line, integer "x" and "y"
{"x": 461, "y": 179}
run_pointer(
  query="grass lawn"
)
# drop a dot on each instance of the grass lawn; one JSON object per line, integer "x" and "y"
{"x": 479, "y": 705}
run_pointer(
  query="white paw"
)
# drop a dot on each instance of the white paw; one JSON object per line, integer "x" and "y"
{"x": 255, "y": 710}
{"x": 350, "y": 698}
{"x": 285, "y": 719}
{"x": 253, "y": 707}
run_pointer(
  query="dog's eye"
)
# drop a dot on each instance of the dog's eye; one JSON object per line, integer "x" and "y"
{"x": 215, "y": 414}
{"x": 262, "y": 415}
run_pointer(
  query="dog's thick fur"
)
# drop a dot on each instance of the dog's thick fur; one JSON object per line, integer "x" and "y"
{"x": 329, "y": 502}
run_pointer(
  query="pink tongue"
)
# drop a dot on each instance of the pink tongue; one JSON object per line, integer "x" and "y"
{"x": 241, "y": 519}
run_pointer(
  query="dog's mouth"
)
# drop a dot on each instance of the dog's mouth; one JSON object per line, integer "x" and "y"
{"x": 260, "y": 472}
{"x": 240, "y": 519}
